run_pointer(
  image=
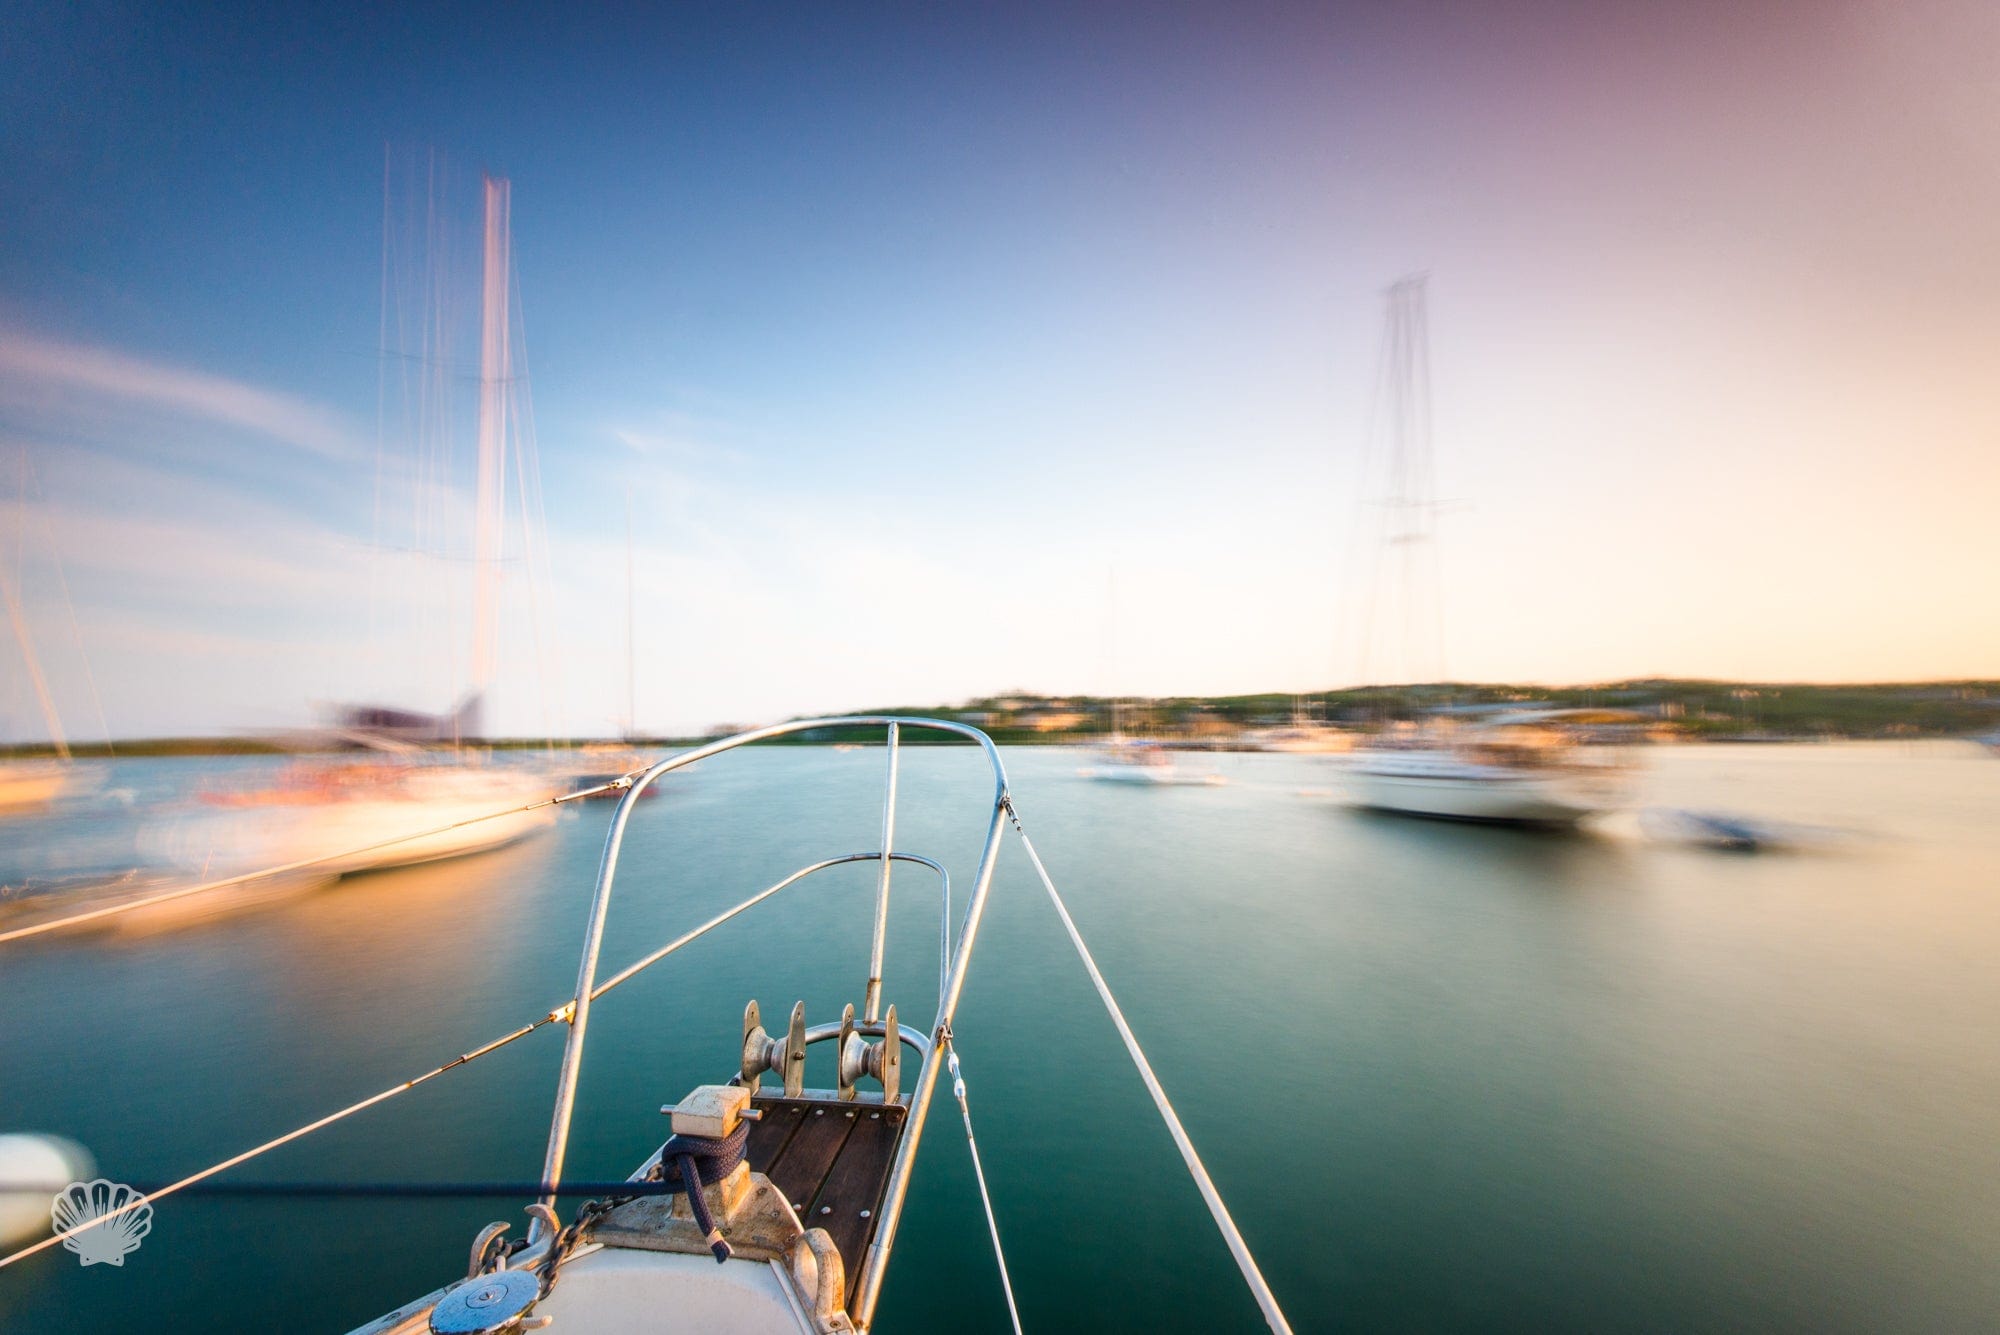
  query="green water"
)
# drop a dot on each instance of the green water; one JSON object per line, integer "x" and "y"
{"x": 1448, "y": 1078}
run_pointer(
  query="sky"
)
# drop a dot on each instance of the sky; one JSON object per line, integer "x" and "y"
{"x": 939, "y": 351}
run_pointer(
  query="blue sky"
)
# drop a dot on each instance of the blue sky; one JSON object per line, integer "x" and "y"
{"x": 941, "y": 352}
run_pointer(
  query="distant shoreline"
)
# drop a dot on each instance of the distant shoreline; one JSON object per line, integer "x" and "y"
{"x": 1672, "y": 710}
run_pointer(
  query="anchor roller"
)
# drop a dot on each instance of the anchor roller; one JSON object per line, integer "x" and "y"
{"x": 786, "y": 1056}
{"x": 859, "y": 1057}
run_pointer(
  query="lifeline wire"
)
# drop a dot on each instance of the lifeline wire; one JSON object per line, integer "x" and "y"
{"x": 285, "y": 1139}
{"x": 1238, "y": 1248}
{"x": 992, "y": 1224}
{"x": 559, "y": 1013}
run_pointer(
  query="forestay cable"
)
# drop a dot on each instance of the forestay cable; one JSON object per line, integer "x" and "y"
{"x": 1238, "y": 1248}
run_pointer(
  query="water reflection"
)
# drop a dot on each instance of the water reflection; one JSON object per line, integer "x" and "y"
{"x": 1519, "y": 1079}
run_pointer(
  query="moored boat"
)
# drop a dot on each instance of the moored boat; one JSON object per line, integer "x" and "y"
{"x": 350, "y": 816}
{"x": 1125, "y": 760}
{"x": 30, "y": 785}
{"x": 1548, "y": 768}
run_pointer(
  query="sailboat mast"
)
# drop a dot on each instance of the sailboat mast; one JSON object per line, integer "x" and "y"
{"x": 34, "y": 663}
{"x": 1412, "y": 500}
{"x": 495, "y": 377}
{"x": 631, "y": 635}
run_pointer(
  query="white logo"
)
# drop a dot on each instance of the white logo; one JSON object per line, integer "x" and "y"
{"x": 109, "y": 1218}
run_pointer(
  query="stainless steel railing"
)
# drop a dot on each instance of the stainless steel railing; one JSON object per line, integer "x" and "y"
{"x": 951, "y": 985}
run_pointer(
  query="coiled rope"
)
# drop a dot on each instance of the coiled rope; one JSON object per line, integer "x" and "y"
{"x": 687, "y": 1162}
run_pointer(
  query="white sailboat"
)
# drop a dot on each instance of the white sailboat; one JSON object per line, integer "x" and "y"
{"x": 407, "y": 805}
{"x": 31, "y": 785}
{"x": 1131, "y": 760}
{"x": 1524, "y": 768}
{"x": 1304, "y": 734}
{"x": 1122, "y": 759}
{"x": 356, "y": 816}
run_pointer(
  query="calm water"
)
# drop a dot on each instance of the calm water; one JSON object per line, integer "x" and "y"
{"x": 1449, "y": 1078}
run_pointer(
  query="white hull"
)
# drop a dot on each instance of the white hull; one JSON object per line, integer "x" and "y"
{"x": 1445, "y": 790}
{"x": 360, "y": 833}
{"x": 31, "y": 784}
{"x": 1155, "y": 775}
{"x": 615, "y": 1291}
{"x": 1302, "y": 741}
{"x": 28, "y": 1165}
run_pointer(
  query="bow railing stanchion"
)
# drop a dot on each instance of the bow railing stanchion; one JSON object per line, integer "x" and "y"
{"x": 868, "y": 1285}
{"x": 871, "y": 1001}
{"x": 572, "y": 1063}
{"x": 1238, "y": 1248}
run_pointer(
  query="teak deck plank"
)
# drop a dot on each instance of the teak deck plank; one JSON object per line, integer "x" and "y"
{"x": 809, "y": 1154}
{"x": 850, "y": 1199}
{"x": 770, "y": 1134}
{"x": 831, "y": 1159}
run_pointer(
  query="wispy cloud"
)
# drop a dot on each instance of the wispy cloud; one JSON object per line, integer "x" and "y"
{"x": 676, "y": 436}
{"x": 34, "y": 369}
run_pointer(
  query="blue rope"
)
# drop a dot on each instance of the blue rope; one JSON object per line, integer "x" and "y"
{"x": 687, "y": 1162}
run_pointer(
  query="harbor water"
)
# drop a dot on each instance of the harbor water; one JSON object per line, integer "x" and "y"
{"x": 1447, "y": 1077}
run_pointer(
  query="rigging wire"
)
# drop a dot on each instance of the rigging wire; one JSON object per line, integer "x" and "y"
{"x": 1245, "y": 1262}
{"x": 985, "y": 1200}
{"x": 1205, "y": 1185}
{"x": 272, "y": 1144}
{"x": 562, "y": 1012}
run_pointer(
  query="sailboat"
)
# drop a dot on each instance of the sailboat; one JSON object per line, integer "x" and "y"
{"x": 405, "y": 802}
{"x": 1304, "y": 734}
{"x": 1135, "y": 760}
{"x": 1122, "y": 759}
{"x": 1522, "y": 767}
